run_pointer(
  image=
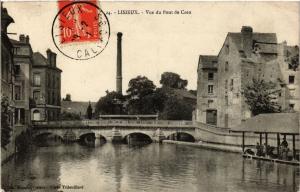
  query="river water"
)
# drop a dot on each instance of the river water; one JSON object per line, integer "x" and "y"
{"x": 154, "y": 167}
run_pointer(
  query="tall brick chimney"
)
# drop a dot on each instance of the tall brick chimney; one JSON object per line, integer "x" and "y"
{"x": 247, "y": 40}
{"x": 119, "y": 63}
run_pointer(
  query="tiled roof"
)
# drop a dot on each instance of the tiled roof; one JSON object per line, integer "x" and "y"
{"x": 266, "y": 48}
{"x": 39, "y": 59}
{"x": 208, "y": 61}
{"x": 78, "y": 107}
{"x": 184, "y": 93}
{"x": 13, "y": 41}
{"x": 272, "y": 123}
{"x": 267, "y": 38}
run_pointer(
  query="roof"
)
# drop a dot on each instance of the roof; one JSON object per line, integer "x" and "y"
{"x": 271, "y": 123}
{"x": 208, "y": 61}
{"x": 267, "y": 48}
{"x": 13, "y": 41}
{"x": 6, "y": 16}
{"x": 265, "y": 38}
{"x": 39, "y": 59}
{"x": 184, "y": 93}
{"x": 78, "y": 107}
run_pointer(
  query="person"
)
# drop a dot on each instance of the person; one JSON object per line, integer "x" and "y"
{"x": 264, "y": 150}
{"x": 284, "y": 143}
{"x": 258, "y": 149}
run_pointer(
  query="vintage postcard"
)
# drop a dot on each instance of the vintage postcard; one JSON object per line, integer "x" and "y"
{"x": 153, "y": 96}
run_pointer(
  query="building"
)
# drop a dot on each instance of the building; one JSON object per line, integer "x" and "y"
{"x": 22, "y": 54}
{"x": 76, "y": 107}
{"x": 8, "y": 129}
{"x": 244, "y": 56}
{"x": 46, "y": 87}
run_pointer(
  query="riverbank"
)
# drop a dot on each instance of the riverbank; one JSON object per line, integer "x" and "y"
{"x": 217, "y": 147}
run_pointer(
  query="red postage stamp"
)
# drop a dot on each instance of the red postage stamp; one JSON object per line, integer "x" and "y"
{"x": 80, "y": 30}
{"x": 78, "y": 22}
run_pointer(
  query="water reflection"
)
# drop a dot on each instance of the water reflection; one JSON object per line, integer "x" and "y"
{"x": 154, "y": 167}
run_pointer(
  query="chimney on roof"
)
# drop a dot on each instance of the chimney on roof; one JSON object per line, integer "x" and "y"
{"x": 22, "y": 38}
{"x": 27, "y": 39}
{"x": 247, "y": 41}
{"x": 119, "y": 64}
{"x": 51, "y": 57}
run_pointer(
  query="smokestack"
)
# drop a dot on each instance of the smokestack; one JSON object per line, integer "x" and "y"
{"x": 119, "y": 63}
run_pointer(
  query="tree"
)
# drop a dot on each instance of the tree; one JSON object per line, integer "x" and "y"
{"x": 172, "y": 80}
{"x": 5, "y": 122}
{"x": 89, "y": 111}
{"x": 140, "y": 86}
{"x": 111, "y": 103}
{"x": 142, "y": 98}
{"x": 68, "y": 97}
{"x": 177, "y": 109}
{"x": 260, "y": 95}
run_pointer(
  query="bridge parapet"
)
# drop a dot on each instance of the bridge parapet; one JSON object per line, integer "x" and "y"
{"x": 114, "y": 122}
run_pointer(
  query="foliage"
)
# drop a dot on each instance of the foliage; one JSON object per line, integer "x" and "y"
{"x": 142, "y": 98}
{"x": 6, "y": 128}
{"x": 111, "y": 103}
{"x": 68, "y": 97}
{"x": 140, "y": 87}
{"x": 172, "y": 80}
{"x": 70, "y": 116}
{"x": 260, "y": 95}
{"x": 149, "y": 104}
{"x": 177, "y": 109}
{"x": 89, "y": 111}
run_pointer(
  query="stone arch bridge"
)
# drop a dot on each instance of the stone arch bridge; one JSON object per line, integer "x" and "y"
{"x": 113, "y": 130}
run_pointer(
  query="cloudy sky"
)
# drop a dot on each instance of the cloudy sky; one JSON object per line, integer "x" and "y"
{"x": 152, "y": 44}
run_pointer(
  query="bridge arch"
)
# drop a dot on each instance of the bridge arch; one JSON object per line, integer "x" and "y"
{"x": 137, "y": 137}
{"x": 181, "y": 136}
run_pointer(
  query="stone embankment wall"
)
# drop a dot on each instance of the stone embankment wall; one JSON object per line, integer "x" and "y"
{"x": 224, "y": 136}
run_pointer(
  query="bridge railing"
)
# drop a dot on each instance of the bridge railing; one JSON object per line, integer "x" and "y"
{"x": 112, "y": 122}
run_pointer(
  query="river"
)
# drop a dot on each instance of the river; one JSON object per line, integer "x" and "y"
{"x": 154, "y": 167}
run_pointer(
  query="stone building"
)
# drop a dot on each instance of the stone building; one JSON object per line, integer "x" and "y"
{"x": 244, "y": 56}
{"x": 7, "y": 89}
{"x": 46, "y": 86}
{"x": 22, "y": 89}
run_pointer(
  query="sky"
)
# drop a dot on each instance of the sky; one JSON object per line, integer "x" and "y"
{"x": 152, "y": 44}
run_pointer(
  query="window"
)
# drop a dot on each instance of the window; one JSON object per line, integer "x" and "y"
{"x": 226, "y": 66}
{"x": 210, "y": 76}
{"x": 36, "y": 115}
{"x": 231, "y": 85}
{"x": 226, "y": 100}
{"x": 36, "y": 95}
{"x": 291, "y": 79}
{"x": 226, "y": 86}
{"x": 227, "y": 49}
{"x": 53, "y": 81}
{"x": 211, "y": 117}
{"x": 17, "y": 69}
{"x": 36, "y": 79}
{"x": 48, "y": 80}
{"x": 18, "y": 92}
{"x": 291, "y": 106}
{"x": 210, "y": 89}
